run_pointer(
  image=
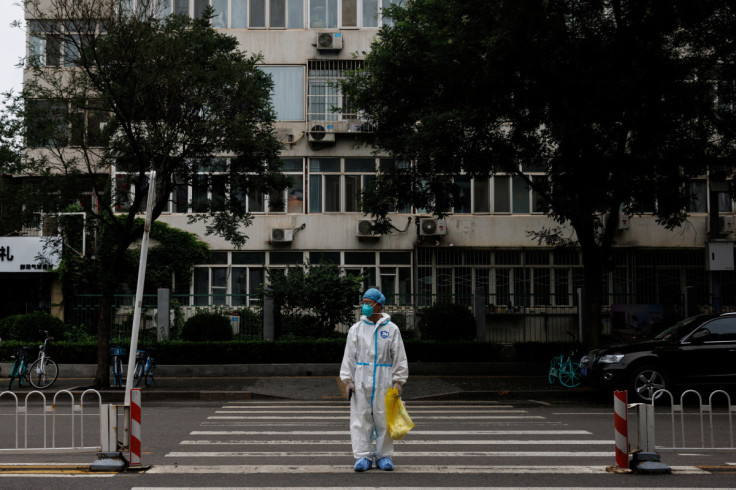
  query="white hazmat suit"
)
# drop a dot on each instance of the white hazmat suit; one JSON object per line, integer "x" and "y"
{"x": 374, "y": 360}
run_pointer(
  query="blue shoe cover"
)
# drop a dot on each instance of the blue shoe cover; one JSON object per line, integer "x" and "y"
{"x": 363, "y": 464}
{"x": 385, "y": 464}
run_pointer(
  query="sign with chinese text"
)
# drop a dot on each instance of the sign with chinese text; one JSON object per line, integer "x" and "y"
{"x": 29, "y": 254}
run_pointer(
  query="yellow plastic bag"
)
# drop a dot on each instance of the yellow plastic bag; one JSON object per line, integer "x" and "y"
{"x": 399, "y": 422}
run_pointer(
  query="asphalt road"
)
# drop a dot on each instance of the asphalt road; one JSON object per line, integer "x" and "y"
{"x": 301, "y": 444}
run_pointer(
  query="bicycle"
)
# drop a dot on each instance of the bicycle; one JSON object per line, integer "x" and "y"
{"x": 145, "y": 367}
{"x": 564, "y": 369}
{"x": 44, "y": 371}
{"x": 19, "y": 369}
{"x": 117, "y": 365}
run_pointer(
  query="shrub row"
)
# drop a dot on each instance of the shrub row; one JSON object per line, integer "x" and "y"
{"x": 261, "y": 352}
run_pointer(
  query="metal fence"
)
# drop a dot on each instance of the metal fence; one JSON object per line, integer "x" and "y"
{"x": 35, "y": 426}
{"x": 504, "y": 324}
{"x": 695, "y": 426}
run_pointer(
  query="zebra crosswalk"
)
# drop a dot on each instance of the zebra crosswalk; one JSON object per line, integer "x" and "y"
{"x": 313, "y": 437}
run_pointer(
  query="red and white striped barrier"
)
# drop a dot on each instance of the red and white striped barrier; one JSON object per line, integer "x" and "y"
{"x": 621, "y": 422}
{"x": 135, "y": 427}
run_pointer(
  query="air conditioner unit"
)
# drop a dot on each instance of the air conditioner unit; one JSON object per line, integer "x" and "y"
{"x": 364, "y": 228}
{"x": 726, "y": 225}
{"x": 432, "y": 227}
{"x": 282, "y": 235}
{"x": 329, "y": 41}
{"x": 321, "y": 134}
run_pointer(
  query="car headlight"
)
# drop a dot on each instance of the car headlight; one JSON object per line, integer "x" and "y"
{"x": 585, "y": 360}
{"x": 611, "y": 358}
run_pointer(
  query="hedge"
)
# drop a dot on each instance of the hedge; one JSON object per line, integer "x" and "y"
{"x": 261, "y": 352}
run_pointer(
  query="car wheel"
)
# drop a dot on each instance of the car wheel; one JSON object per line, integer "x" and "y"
{"x": 645, "y": 381}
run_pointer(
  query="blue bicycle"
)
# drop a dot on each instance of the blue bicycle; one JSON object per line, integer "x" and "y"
{"x": 145, "y": 367}
{"x": 116, "y": 364}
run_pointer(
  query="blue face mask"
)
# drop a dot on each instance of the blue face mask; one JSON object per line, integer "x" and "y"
{"x": 367, "y": 309}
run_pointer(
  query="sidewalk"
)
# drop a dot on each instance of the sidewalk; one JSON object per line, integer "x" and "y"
{"x": 458, "y": 381}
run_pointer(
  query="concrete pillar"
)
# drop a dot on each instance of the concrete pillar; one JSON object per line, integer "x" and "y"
{"x": 479, "y": 311}
{"x": 164, "y": 316}
{"x": 268, "y": 314}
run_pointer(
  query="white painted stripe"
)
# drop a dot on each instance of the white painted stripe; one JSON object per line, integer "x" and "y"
{"x": 345, "y": 406}
{"x": 346, "y": 410}
{"x": 431, "y": 469}
{"x": 606, "y": 413}
{"x": 413, "y": 432}
{"x": 419, "y": 417}
{"x": 419, "y": 454}
{"x": 23, "y": 474}
{"x": 414, "y": 442}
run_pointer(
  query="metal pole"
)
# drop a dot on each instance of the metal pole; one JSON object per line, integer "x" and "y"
{"x": 139, "y": 290}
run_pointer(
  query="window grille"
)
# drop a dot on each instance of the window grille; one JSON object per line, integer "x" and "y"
{"x": 325, "y": 101}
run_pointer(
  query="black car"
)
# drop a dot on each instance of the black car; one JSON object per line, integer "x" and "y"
{"x": 699, "y": 351}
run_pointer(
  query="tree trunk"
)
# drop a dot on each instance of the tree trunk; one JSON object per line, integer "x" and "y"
{"x": 104, "y": 330}
{"x": 592, "y": 299}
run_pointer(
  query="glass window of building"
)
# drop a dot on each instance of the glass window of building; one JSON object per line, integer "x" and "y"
{"x": 287, "y": 96}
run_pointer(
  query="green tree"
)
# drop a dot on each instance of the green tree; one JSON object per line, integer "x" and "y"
{"x": 603, "y": 97}
{"x": 140, "y": 92}
{"x": 317, "y": 290}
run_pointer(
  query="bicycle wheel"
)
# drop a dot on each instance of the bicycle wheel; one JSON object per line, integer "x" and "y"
{"x": 138, "y": 373}
{"x": 14, "y": 374}
{"x": 554, "y": 370}
{"x": 117, "y": 372}
{"x": 43, "y": 373}
{"x": 570, "y": 374}
{"x": 150, "y": 370}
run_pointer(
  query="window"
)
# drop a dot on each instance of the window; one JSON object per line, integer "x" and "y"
{"x": 87, "y": 123}
{"x": 324, "y": 98}
{"x": 352, "y": 13}
{"x": 329, "y": 186}
{"x": 511, "y": 194}
{"x": 323, "y": 14}
{"x": 276, "y": 14}
{"x": 502, "y": 194}
{"x": 288, "y": 91}
{"x": 698, "y": 190}
{"x": 293, "y": 196}
{"x": 386, "y": 4}
{"x": 47, "y": 123}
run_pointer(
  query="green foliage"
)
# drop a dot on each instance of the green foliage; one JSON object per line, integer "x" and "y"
{"x": 167, "y": 108}
{"x": 321, "y": 290}
{"x": 207, "y": 326}
{"x": 280, "y": 351}
{"x": 170, "y": 260}
{"x": 30, "y": 327}
{"x": 618, "y": 95}
{"x": 447, "y": 321}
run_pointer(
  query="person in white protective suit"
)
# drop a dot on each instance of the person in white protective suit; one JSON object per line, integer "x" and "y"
{"x": 374, "y": 361}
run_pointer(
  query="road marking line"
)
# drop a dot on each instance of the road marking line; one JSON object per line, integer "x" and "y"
{"x": 433, "y": 469}
{"x": 346, "y": 406}
{"x": 428, "y": 454}
{"x": 414, "y": 411}
{"x": 414, "y": 442}
{"x": 414, "y": 432}
{"x": 419, "y": 417}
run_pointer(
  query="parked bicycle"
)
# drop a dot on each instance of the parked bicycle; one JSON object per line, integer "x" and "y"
{"x": 44, "y": 371}
{"x": 116, "y": 364}
{"x": 565, "y": 369}
{"x": 145, "y": 367}
{"x": 19, "y": 369}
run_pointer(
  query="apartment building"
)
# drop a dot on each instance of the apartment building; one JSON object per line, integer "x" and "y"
{"x": 483, "y": 245}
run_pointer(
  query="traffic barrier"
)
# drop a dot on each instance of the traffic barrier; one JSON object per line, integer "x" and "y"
{"x": 724, "y": 430}
{"x": 36, "y": 436}
{"x": 135, "y": 427}
{"x": 621, "y": 424}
